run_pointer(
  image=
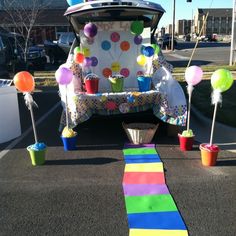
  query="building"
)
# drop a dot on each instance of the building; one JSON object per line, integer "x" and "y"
{"x": 49, "y": 23}
{"x": 219, "y": 21}
{"x": 183, "y": 27}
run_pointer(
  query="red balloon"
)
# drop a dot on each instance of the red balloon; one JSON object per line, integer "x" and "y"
{"x": 24, "y": 81}
{"x": 79, "y": 58}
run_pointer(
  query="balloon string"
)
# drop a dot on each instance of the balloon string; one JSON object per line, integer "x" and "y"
{"x": 111, "y": 55}
{"x": 67, "y": 122}
{"x": 33, "y": 123}
{"x": 213, "y": 123}
{"x": 189, "y": 108}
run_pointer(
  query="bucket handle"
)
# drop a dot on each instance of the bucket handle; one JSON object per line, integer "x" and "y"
{"x": 90, "y": 74}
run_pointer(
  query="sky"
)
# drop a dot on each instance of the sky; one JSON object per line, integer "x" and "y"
{"x": 185, "y": 10}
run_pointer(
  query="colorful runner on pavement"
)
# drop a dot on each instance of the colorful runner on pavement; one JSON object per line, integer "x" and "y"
{"x": 150, "y": 207}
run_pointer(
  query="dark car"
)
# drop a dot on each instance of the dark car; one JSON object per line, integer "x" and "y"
{"x": 65, "y": 41}
{"x": 12, "y": 56}
{"x": 55, "y": 53}
{"x": 166, "y": 41}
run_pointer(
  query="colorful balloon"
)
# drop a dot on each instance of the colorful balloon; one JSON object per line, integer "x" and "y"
{"x": 148, "y": 51}
{"x": 63, "y": 75}
{"x": 24, "y": 81}
{"x": 79, "y": 58}
{"x": 76, "y": 49}
{"x": 142, "y": 49}
{"x": 90, "y": 30}
{"x": 74, "y": 2}
{"x": 193, "y": 75}
{"x": 87, "y": 62}
{"x": 156, "y": 48}
{"x": 124, "y": 46}
{"x": 138, "y": 39}
{"x": 106, "y": 45}
{"x": 136, "y": 27}
{"x": 115, "y": 37}
{"x": 86, "y": 52}
{"x": 141, "y": 60}
{"x": 222, "y": 80}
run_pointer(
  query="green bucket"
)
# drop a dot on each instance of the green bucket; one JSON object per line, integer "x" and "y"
{"x": 117, "y": 84}
{"x": 37, "y": 157}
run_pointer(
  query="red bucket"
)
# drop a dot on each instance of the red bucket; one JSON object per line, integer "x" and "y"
{"x": 186, "y": 143}
{"x": 91, "y": 85}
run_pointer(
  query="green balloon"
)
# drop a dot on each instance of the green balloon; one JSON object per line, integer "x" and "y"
{"x": 156, "y": 48}
{"x": 136, "y": 27}
{"x": 76, "y": 49}
{"x": 222, "y": 80}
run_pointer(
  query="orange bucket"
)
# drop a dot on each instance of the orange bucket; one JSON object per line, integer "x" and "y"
{"x": 209, "y": 156}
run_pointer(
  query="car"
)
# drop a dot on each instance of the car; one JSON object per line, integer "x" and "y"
{"x": 12, "y": 56}
{"x": 65, "y": 41}
{"x": 165, "y": 42}
{"x": 55, "y": 54}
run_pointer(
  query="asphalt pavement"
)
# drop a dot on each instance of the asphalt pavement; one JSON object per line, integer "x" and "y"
{"x": 80, "y": 192}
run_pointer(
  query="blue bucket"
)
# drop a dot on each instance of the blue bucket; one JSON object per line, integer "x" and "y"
{"x": 144, "y": 83}
{"x": 69, "y": 143}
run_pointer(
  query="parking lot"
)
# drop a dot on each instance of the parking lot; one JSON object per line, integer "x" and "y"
{"x": 80, "y": 192}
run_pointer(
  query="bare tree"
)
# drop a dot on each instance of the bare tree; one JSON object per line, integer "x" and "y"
{"x": 20, "y": 16}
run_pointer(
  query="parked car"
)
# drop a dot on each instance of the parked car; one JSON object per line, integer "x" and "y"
{"x": 12, "y": 56}
{"x": 165, "y": 41}
{"x": 55, "y": 53}
{"x": 65, "y": 41}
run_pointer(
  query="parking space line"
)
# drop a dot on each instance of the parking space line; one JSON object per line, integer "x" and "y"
{"x": 16, "y": 141}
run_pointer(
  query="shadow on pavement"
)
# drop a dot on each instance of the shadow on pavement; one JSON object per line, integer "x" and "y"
{"x": 87, "y": 161}
{"x": 184, "y": 63}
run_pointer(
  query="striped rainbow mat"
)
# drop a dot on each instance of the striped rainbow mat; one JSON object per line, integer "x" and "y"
{"x": 150, "y": 207}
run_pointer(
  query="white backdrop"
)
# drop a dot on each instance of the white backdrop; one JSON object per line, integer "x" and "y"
{"x": 116, "y": 50}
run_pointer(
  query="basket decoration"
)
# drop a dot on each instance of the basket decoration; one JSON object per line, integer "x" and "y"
{"x": 139, "y": 133}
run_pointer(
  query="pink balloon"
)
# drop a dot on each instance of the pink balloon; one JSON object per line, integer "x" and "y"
{"x": 193, "y": 75}
{"x": 63, "y": 75}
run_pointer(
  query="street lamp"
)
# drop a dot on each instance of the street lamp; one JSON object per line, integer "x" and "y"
{"x": 233, "y": 37}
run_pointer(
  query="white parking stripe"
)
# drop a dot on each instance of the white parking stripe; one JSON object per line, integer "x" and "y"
{"x": 13, "y": 144}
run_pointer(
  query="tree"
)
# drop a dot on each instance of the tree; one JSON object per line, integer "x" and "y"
{"x": 20, "y": 17}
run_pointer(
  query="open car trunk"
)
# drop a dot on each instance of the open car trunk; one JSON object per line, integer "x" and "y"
{"x": 113, "y": 10}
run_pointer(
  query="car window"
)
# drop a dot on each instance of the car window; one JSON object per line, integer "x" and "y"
{"x": 63, "y": 39}
{"x": 71, "y": 38}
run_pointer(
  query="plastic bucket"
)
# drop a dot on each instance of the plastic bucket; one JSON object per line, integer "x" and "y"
{"x": 91, "y": 85}
{"x": 144, "y": 83}
{"x": 208, "y": 157}
{"x": 117, "y": 85}
{"x": 186, "y": 143}
{"x": 69, "y": 143}
{"x": 37, "y": 157}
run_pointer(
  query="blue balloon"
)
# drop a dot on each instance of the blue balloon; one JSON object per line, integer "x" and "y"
{"x": 106, "y": 45}
{"x": 142, "y": 49}
{"x": 148, "y": 51}
{"x": 74, "y": 2}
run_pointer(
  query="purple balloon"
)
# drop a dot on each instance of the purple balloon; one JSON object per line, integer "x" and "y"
{"x": 138, "y": 39}
{"x": 87, "y": 61}
{"x": 90, "y": 30}
{"x": 63, "y": 75}
{"x": 94, "y": 61}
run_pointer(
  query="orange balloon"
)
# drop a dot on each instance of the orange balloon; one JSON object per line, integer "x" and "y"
{"x": 124, "y": 46}
{"x": 107, "y": 72}
{"x": 24, "y": 81}
{"x": 79, "y": 58}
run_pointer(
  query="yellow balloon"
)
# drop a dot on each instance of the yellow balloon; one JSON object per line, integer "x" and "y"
{"x": 86, "y": 52}
{"x": 115, "y": 66}
{"x": 141, "y": 60}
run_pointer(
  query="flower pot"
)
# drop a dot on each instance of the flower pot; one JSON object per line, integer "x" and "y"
{"x": 144, "y": 83}
{"x": 186, "y": 143}
{"x": 91, "y": 86}
{"x": 69, "y": 143}
{"x": 37, "y": 156}
{"x": 117, "y": 83}
{"x": 209, "y": 154}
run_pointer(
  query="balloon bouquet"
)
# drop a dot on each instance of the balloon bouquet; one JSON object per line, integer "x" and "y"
{"x": 64, "y": 77}
{"x": 221, "y": 81}
{"x": 193, "y": 76}
{"x": 24, "y": 82}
